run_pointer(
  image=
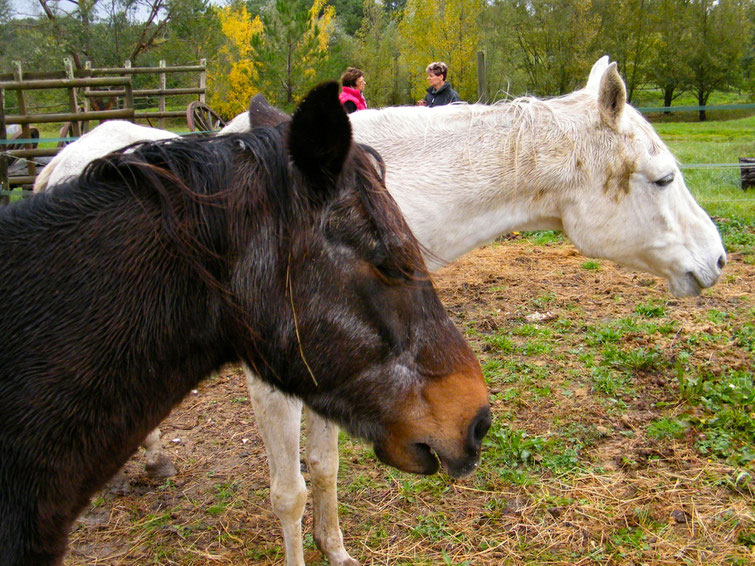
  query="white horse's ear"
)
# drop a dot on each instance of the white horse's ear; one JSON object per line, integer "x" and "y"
{"x": 612, "y": 96}
{"x": 600, "y": 66}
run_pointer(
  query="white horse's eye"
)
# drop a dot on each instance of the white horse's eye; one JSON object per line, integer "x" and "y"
{"x": 663, "y": 181}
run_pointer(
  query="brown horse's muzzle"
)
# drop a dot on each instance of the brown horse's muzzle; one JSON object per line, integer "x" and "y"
{"x": 444, "y": 423}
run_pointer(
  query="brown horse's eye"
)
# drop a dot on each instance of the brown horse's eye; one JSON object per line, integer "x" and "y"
{"x": 394, "y": 272}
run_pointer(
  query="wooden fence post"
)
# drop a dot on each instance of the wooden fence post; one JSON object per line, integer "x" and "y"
{"x": 162, "y": 86}
{"x": 76, "y": 129}
{"x": 25, "y": 131}
{"x": 127, "y": 65}
{"x": 4, "y": 186}
{"x": 482, "y": 79}
{"x": 203, "y": 79}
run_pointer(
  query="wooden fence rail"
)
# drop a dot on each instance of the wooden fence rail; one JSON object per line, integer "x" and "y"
{"x": 83, "y": 86}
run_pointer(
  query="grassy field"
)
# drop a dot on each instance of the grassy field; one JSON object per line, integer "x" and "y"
{"x": 699, "y": 146}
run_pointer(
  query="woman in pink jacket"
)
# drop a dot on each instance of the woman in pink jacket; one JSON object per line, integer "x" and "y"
{"x": 353, "y": 84}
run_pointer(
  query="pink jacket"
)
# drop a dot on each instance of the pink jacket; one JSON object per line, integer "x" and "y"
{"x": 354, "y": 95}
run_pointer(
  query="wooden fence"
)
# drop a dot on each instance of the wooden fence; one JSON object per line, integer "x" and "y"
{"x": 83, "y": 87}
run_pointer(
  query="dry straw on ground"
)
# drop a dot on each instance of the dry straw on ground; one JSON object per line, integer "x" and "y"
{"x": 631, "y": 498}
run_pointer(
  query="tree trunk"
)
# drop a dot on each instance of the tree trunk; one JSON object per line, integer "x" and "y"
{"x": 668, "y": 97}
{"x": 701, "y": 100}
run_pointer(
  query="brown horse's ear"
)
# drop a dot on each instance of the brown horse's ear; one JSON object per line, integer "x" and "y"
{"x": 261, "y": 113}
{"x": 612, "y": 96}
{"x": 320, "y": 135}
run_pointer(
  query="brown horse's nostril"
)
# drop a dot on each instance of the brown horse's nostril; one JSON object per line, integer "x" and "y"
{"x": 479, "y": 428}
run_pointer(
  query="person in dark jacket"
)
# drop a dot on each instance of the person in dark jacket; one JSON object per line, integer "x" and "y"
{"x": 439, "y": 92}
{"x": 352, "y": 88}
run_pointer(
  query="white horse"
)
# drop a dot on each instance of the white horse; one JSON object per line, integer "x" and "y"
{"x": 586, "y": 163}
{"x": 103, "y": 139}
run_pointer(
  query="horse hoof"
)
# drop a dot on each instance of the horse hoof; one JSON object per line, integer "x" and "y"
{"x": 161, "y": 469}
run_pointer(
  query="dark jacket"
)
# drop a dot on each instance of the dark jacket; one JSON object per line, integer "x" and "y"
{"x": 444, "y": 95}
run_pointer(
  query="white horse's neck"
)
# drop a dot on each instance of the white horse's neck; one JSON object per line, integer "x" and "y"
{"x": 466, "y": 174}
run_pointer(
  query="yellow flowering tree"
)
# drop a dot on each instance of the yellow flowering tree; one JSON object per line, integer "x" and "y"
{"x": 442, "y": 30}
{"x": 233, "y": 75}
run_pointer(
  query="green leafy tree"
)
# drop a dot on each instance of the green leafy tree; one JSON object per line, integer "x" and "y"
{"x": 292, "y": 53}
{"x": 720, "y": 35}
{"x": 505, "y": 77}
{"x": 442, "y": 30}
{"x": 555, "y": 41}
{"x": 672, "y": 48}
{"x": 626, "y": 34}
{"x": 192, "y": 33}
{"x": 378, "y": 55}
{"x": 350, "y": 13}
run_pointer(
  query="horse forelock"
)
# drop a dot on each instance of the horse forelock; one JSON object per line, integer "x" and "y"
{"x": 405, "y": 252}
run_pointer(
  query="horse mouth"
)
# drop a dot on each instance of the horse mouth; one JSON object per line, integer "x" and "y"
{"x": 689, "y": 285}
{"x": 423, "y": 459}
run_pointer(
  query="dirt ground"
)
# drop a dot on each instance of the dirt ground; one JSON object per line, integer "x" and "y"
{"x": 216, "y": 511}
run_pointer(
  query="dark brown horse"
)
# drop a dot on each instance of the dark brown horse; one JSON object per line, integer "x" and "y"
{"x": 280, "y": 248}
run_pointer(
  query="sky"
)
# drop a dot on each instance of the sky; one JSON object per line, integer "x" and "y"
{"x": 32, "y": 8}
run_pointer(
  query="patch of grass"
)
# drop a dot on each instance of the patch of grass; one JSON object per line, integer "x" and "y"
{"x": 633, "y": 359}
{"x": 535, "y": 348}
{"x": 511, "y": 447}
{"x": 544, "y": 237}
{"x": 500, "y": 342}
{"x": 716, "y": 189}
{"x": 532, "y": 330}
{"x": 543, "y": 301}
{"x": 744, "y": 337}
{"x": 667, "y": 428}
{"x": 738, "y": 234}
{"x": 651, "y": 309}
{"x": 591, "y": 265}
{"x": 434, "y": 527}
{"x": 609, "y": 382}
{"x": 725, "y": 412}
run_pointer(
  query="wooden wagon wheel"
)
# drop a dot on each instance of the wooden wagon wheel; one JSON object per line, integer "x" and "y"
{"x": 202, "y": 118}
{"x": 67, "y": 131}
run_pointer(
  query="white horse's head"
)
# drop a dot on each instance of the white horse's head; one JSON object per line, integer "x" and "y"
{"x": 640, "y": 212}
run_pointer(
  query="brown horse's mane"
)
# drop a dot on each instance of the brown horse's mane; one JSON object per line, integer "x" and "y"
{"x": 202, "y": 186}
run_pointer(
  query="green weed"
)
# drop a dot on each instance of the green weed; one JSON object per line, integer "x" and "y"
{"x": 591, "y": 265}
{"x": 667, "y": 428}
{"x": 544, "y": 237}
{"x": 512, "y": 447}
{"x": 651, "y": 309}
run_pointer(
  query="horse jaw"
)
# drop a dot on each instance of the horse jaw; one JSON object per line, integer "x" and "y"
{"x": 659, "y": 231}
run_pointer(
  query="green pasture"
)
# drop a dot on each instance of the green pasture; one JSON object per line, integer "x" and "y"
{"x": 700, "y": 145}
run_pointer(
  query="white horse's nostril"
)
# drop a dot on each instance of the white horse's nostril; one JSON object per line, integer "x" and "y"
{"x": 721, "y": 262}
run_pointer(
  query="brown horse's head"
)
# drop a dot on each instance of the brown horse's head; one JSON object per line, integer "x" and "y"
{"x": 349, "y": 318}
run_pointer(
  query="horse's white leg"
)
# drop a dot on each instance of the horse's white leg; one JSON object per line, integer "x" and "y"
{"x": 322, "y": 462}
{"x": 158, "y": 464}
{"x": 279, "y": 421}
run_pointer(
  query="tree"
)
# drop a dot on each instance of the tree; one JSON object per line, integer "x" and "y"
{"x": 504, "y": 75}
{"x": 720, "y": 35}
{"x": 626, "y": 34}
{"x": 672, "y": 48}
{"x": 378, "y": 55}
{"x": 350, "y": 14}
{"x": 442, "y": 30}
{"x": 233, "y": 72}
{"x": 73, "y": 23}
{"x": 292, "y": 53}
{"x": 555, "y": 41}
